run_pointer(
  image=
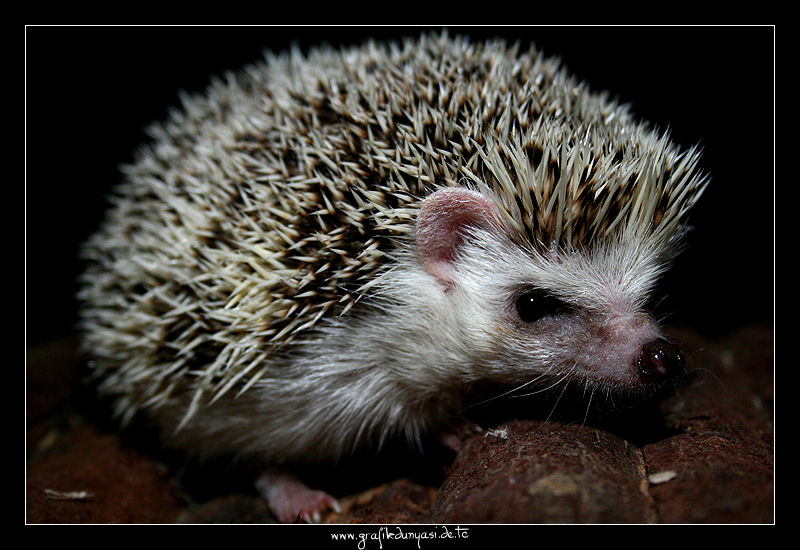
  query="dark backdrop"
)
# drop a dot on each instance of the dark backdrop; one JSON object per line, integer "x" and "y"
{"x": 90, "y": 91}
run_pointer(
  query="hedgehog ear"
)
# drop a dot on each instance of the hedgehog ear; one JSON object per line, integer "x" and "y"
{"x": 442, "y": 219}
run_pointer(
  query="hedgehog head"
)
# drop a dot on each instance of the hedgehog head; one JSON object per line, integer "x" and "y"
{"x": 553, "y": 247}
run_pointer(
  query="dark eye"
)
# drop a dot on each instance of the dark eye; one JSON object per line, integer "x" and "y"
{"x": 533, "y": 305}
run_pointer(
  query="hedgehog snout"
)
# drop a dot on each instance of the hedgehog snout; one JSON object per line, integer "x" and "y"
{"x": 660, "y": 361}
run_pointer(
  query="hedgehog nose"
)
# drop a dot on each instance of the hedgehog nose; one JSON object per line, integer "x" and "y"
{"x": 660, "y": 361}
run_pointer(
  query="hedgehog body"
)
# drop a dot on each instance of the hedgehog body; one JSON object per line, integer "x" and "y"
{"x": 321, "y": 251}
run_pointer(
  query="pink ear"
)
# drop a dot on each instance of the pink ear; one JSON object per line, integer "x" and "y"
{"x": 440, "y": 224}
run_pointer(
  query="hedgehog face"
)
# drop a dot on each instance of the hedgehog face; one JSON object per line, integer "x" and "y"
{"x": 552, "y": 316}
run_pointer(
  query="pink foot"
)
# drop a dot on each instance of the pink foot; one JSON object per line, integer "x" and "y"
{"x": 458, "y": 433}
{"x": 450, "y": 440}
{"x": 290, "y": 500}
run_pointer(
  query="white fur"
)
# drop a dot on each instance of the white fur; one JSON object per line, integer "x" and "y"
{"x": 397, "y": 365}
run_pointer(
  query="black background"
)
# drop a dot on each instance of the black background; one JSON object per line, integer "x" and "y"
{"x": 90, "y": 91}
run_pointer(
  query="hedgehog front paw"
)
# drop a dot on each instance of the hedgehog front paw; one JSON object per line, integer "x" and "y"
{"x": 291, "y": 500}
{"x": 303, "y": 506}
{"x": 457, "y": 433}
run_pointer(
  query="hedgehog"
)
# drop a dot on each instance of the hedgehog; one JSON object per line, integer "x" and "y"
{"x": 320, "y": 252}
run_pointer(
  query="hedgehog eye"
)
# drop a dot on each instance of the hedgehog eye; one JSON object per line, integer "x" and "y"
{"x": 533, "y": 305}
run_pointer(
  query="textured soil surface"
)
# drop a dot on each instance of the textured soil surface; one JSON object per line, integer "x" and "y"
{"x": 700, "y": 454}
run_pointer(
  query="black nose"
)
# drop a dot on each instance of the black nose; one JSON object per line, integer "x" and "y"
{"x": 660, "y": 361}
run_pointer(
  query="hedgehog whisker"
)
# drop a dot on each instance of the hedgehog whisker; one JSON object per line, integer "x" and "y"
{"x": 564, "y": 389}
{"x": 505, "y": 393}
{"x": 714, "y": 375}
{"x": 563, "y": 378}
{"x": 588, "y": 406}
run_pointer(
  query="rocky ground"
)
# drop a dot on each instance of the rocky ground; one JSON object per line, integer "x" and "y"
{"x": 702, "y": 454}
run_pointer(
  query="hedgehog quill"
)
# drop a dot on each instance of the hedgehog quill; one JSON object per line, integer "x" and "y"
{"x": 318, "y": 253}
